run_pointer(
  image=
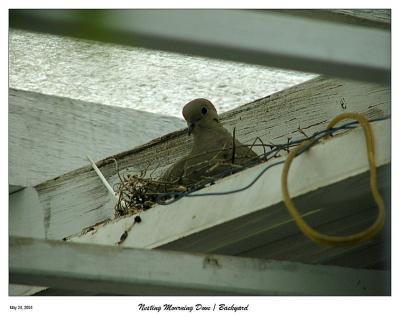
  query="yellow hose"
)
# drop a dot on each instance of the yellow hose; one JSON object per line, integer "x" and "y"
{"x": 329, "y": 239}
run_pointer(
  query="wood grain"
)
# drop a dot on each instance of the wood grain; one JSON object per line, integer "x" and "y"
{"x": 127, "y": 271}
{"x": 50, "y": 135}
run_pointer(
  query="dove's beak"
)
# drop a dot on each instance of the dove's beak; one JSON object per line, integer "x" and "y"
{"x": 190, "y": 128}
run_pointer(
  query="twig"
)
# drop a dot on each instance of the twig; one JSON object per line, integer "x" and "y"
{"x": 103, "y": 179}
{"x": 302, "y": 132}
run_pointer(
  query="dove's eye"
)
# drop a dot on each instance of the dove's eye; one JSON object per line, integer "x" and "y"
{"x": 204, "y": 110}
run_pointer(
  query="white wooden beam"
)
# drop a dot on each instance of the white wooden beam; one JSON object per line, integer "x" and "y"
{"x": 26, "y": 214}
{"x": 24, "y": 290}
{"x": 327, "y": 181}
{"x": 14, "y": 188}
{"x": 376, "y": 18}
{"x": 123, "y": 271}
{"x": 50, "y": 136}
{"x": 264, "y": 37}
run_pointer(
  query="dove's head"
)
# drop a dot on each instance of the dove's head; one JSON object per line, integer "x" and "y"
{"x": 199, "y": 113}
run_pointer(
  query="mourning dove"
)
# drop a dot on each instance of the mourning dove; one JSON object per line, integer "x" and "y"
{"x": 212, "y": 146}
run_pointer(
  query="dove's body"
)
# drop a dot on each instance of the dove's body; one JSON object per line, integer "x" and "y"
{"x": 212, "y": 145}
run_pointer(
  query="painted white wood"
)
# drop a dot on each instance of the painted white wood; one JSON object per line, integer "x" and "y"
{"x": 111, "y": 270}
{"x": 26, "y": 214}
{"x": 23, "y": 290}
{"x": 215, "y": 223}
{"x": 50, "y": 136}
{"x": 317, "y": 46}
{"x": 377, "y": 18}
{"x": 14, "y": 188}
{"x": 382, "y": 16}
{"x": 78, "y": 199}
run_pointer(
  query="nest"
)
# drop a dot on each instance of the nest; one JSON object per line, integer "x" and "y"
{"x": 136, "y": 193}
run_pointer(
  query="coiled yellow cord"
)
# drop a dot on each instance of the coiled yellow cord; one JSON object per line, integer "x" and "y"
{"x": 329, "y": 239}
